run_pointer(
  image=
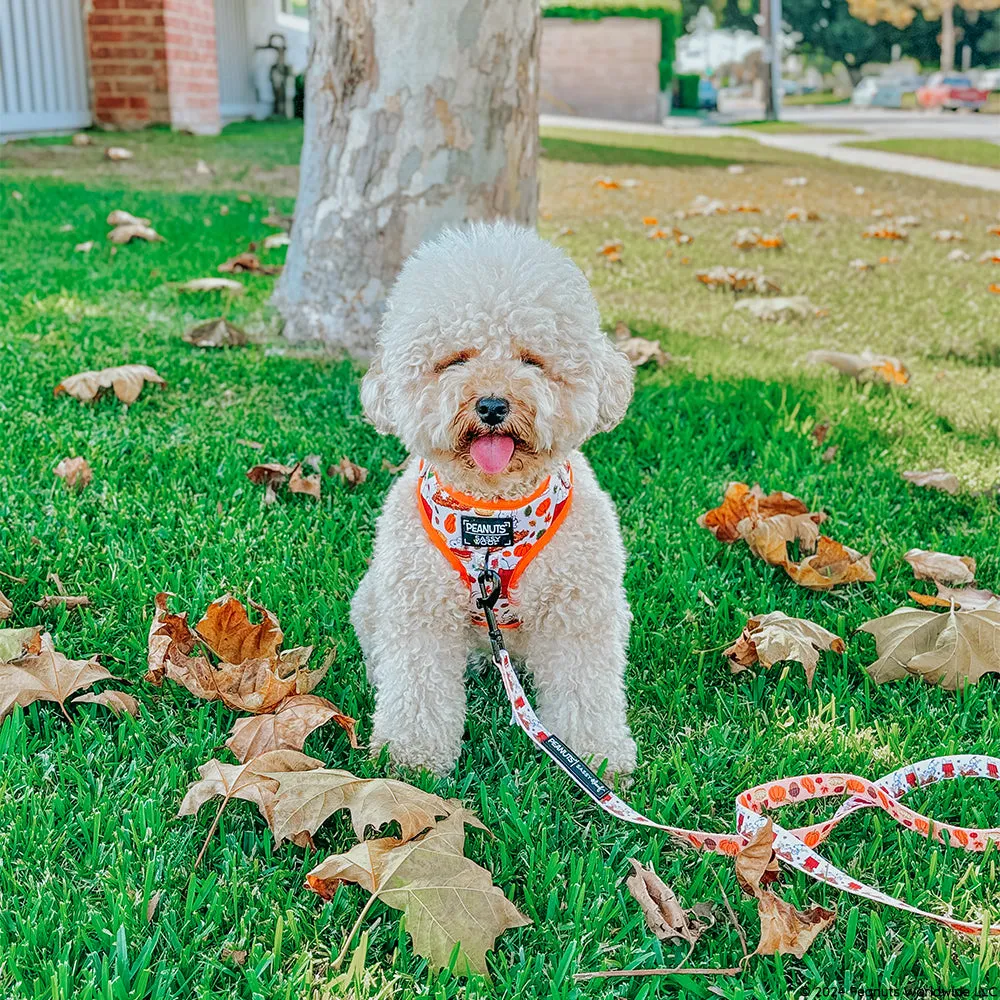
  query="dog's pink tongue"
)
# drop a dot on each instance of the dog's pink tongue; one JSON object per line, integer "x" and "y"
{"x": 492, "y": 452}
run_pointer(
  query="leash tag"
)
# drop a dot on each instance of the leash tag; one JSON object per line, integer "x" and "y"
{"x": 575, "y": 767}
{"x": 487, "y": 532}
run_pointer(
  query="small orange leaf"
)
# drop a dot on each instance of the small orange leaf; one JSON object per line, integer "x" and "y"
{"x": 994, "y": 288}
{"x": 649, "y": 220}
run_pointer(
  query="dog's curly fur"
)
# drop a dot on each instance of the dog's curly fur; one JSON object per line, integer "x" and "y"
{"x": 493, "y": 310}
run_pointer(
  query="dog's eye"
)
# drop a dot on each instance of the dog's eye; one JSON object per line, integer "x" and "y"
{"x": 530, "y": 359}
{"x": 455, "y": 359}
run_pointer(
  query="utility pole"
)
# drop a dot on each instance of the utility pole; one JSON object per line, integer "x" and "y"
{"x": 770, "y": 30}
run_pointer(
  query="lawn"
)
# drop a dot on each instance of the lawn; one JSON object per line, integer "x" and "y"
{"x": 974, "y": 152}
{"x": 88, "y": 827}
{"x": 800, "y": 128}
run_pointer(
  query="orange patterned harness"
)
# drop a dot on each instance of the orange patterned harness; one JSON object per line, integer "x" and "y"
{"x": 527, "y": 526}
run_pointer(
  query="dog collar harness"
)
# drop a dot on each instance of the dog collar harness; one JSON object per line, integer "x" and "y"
{"x": 473, "y": 534}
{"x": 794, "y": 847}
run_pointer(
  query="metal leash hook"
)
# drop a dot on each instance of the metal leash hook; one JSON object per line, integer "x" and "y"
{"x": 489, "y": 589}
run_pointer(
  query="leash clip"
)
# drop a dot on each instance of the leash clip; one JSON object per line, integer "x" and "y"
{"x": 489, "y": 589}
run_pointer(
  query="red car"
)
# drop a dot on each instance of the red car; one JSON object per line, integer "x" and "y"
{"x": 952, "y": 91}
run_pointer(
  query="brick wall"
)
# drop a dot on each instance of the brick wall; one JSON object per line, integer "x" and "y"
{"x": 600, "y": 69}
{"x": 153, "y": 62}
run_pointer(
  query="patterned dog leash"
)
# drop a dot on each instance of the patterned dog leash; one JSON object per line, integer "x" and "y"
{"x": 795, "y": 847}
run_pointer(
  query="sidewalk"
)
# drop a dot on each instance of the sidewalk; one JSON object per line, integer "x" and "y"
{"x": 812, "y": 144}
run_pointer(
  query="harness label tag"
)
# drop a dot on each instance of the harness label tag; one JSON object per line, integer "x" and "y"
{"x": 575, "y": 767}
{"x": 487, "y": 532}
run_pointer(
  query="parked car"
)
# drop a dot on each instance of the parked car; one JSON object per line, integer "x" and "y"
{"x": 878, "y": 92}
{"x": 708, "y": 96}
{"x": 990, "y": 80}
{"x": 951, "y": 91}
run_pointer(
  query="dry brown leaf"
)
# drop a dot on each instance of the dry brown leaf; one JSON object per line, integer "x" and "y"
{"x": 154, "y": 902}
{"x": 940, "y": 567}
{"x": 6, "y": 608}
{"x": 947, "y": 236}
{"x": 737, "y": 280}
{"x": 756, "y": 864}
{"x": 304, "y": 802}
{"x": 85, "y": 247}
{"x": 287, "y": 728}
{"x": 649, "y": 220}
{"x": 606, "y": 183}
{"x": 950, "y": 650}
{"x": 832, "y": 565}
{"x": 882, "y": 367}
{"x": 248, "y": 263}
{"x": 212, "y": 285}
{"x": 776, "y": 637}
{"x": 276, "y": 240}
{"x": 216, "y": 333}
{"x": 17, "y": 642}
{"x": 235, "y": 955}
{"x": 46, "y": 675}
{"x": 885, "y": 233}
{"x": 773, "y": 310}
{"x": 989, "y": 257}
{"x": 118, "y": 153}
{"x": 742, "y": 502}
{"x": 82, "y": 139}
{"x": 801, "y": 215}
{"x": 117, "y": 701}
{"x": 830, "y": 454}
{"x": 127, "y": 233}
{"x": 256, "y": 445}
{"x": 611, "y": 249}
{"x": 121, "y": 218}
{"x": 935, "y": 479}
{"x": 964, "y": 598}
{"x": 665, "y": 916}
{"x": 75, "y": 472}
{"x": 127, "y": 381}
{"x": 278, "y": 220}
{"x": 958, "y": 256}
{"x": 639, "y": 350}
{"x": 751, "y": 239}
{"x": 785, "y": 930}
{"x": 67, "y": 601}
{"x": 273, "y": 474}
{"x": 447, "y": 900}
{"x": 257, "y": 683}
{"x": 350, "y": 473}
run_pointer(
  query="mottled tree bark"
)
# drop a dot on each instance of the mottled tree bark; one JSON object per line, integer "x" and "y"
{"x": 419, "y": 114}
{"x": 947, "y": 36}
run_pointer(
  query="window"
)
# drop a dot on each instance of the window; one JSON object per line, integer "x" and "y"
{"x": 295, "y": 8}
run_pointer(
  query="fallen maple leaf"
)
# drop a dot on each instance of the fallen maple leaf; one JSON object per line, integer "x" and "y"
{"x": 127, "y": 381}
{"x": 287, "y": 728}
{"x": 880, "y": 366}
{"x": 249, "y": 263}
{"x": 273, "y": 474}
{"x": 276, "y": 240}
{"x": 349, "y": 472}
{"x": 45, "y": 675}
{"x": 773, "y": 638}
{"x": 950, "y": 650}
{"x": 260, "y": 677}
{"x": 606, "y": 183}
{"x": 935, "y": 479}
{"x": 965, "y": 598}
{"x": 127, "y": 233}
{"x": 993, "y": 287}
{"x": 703, "y": 205}
{"x": 885, "y": 233}
{"x": 747, "y": 208}
{"x": 212, "y": 285}
{"x": 303, "y": 802}
{"x": 117, "y": 701}
{"x": 742, "y": 502}
{"x": 611, "y": 249}
{"x": 116, "y": 153}
{"x": 215, "y": 333}
{"x": 6, "y": 609}
{"x": 773, "y": 310}
{"x": 756, "y": 864}
{"x": 736, "y": 279}
{"x": 639, "y": 350}
{"x": 784, "y": 930}
{"x": 122, "y": 218}
{"x": 989, "y": 257}
{"x": 85, "y": 247}
{"x": 447, "y": 900}
{"x": 947, "y": 236}
{"x": 68, "y": 601}
{"x": 750, "y": 239}
{"x": 665, "y": 916}
{"x": 649, "y": 220}
{"x": 17, "y": 642}
{"x": 801, "y": 215}
{"x": 940, "y": 567}
{"x": 958, "y": 256}
{"x": 75, "y": 472}
{"x": 832, "y": 565}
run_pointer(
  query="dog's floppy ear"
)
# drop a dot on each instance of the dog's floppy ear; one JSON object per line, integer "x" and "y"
{"x": 615, "y": 375}
{"x": 375, "y": 398}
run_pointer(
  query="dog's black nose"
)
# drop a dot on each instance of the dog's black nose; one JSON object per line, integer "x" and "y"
{"x": 492, "y": 410}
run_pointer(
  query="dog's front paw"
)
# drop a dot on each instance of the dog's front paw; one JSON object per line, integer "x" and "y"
{"x": 419, "y": 754}
{"x": 619, "y": 753}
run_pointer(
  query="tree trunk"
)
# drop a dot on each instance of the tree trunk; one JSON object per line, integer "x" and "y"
{"x": 419, "y": 114}
{"x": 947, "y": 36}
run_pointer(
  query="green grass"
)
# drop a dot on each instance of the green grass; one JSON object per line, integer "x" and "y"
{"x": 802, "y": 100}
{"x": 800, "y": 128}
{"x": 87, "y": 811}
{"x": 974, "y": 152}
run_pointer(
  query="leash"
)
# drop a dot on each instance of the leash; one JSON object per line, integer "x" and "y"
{"x": 792, "y": 846}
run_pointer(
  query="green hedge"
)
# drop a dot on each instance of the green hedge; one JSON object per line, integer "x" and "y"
{"x": 687, "y": 90}
{"x": 669, "y": 17}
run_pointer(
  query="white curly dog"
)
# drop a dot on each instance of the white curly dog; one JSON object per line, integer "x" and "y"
{"x": 492, "y": 369}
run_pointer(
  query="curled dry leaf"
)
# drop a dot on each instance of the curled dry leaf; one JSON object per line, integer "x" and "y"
{"x": 639, "y": 350}
{"x": 747, "y": 208}
{"x": 303, "y": 802}
{"x": 940, "y": 567}
{"x": 832, "y": 565}
{"x": 756, "y": 864}
{"x": 606, "y": 183}
{"x": 951, "y": 650}
{"x": 882, "y": 367}
{"x": 287, "y": 728}
{"x": 254, "y": 674}
{"x": 964, "y": 598}
{"x": 753, "y": 239}
{"x": 17, "y": 642}
{"x": 117, "y": 701}
{"x": 885, "y": 233}
{"x": 127, "y": 381}
{"x": 45, "y": 675}
{"x": 989, "y": 257}
{"x": 75, "y": 472}
{"x": 125, "y": 234}
{"x": 85, "y": 247}
{"x": 212, "y": 285}
{"x": 82, "y": 139}
{"x": 935, "y": 479}
{"x": 908, "y": 221}
{"x": 279, "y": 220}
{"x": 121, "y": 218}
{"x": 67, "y": 601}
{"x": 947, "y": 236}
{"x": 216, "y": 333}
{"x": 350, "y": 473}
{"x": 387, "y": 466}
{"x": 703, "y": 205}
{"x": 798, "y": 214}
{"x": 273, "y": 474}
{"x": 737, "y": 280}
{"x": 665, "y": 916}
{"x": 118, "y": 153}
{"x": 773, "y": 310}
{"x": 611, "y": 250}
{"x": 248, "y": 263}
{"x": 784, "y": 930}
{"x": 776, "y": 637}
{"x": 565, "y": 231}
{"x": 957, "y": 256}
{"x": 6, "y": 609}
{"x": 649, "y": 220}
{"x": 742, "y": 503}
{"x": 447, "y": 899}
{"x": 276, "y": 240}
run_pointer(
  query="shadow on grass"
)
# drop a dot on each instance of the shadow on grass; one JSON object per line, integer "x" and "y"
{"x": 594, "y": 152}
